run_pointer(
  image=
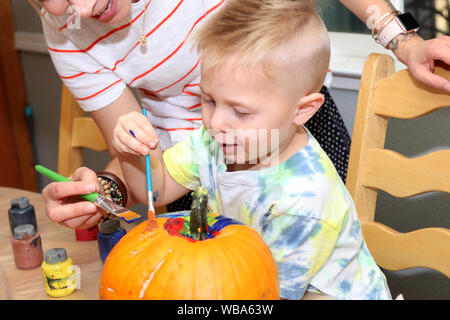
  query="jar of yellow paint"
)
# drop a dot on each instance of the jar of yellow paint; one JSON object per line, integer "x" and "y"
{"x": 58, "y": 273}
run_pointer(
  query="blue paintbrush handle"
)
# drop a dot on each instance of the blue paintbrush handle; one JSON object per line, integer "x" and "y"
{"x": 148, "y": 173}
{"x": 147, "y": 163}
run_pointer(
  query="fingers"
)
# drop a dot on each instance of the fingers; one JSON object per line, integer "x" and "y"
{"x": 123, "y": 144}
{"x": 82, "y": 221}
{"x": 426, "y": 75}
{"x": 84, "y": 174}
{"x": 437, "y": 49}
{"x": 134, "y": 134}
{"x": 137, "y": 140}
{"x": 57, "y": 196}
{"x": 56, "y": 191}
{"x": 421, "y": 57}
{"x": 60, "y": 213}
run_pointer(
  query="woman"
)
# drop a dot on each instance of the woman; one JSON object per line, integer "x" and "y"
{"x": 103, "y": 47}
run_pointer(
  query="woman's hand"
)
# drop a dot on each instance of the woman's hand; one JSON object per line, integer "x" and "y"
{"x": 420, "y": 56}
{"x": 133, "y": 134}
{"x": 63, "y": 206}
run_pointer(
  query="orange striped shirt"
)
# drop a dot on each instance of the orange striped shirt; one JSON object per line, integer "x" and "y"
{"x": 99, "y": 60}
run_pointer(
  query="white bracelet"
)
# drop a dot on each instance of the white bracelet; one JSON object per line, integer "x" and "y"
{"x": 391, "y": 17}
{"x": 378, "y": 23}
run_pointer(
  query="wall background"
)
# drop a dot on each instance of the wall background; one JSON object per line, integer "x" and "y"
{"x": 411, "y": 138}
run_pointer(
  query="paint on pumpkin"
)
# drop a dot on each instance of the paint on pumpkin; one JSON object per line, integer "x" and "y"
{"x": 177, "y": 224}
{"x": 146, "y": 234}
{"x": 147, "y": 282}
{"x": 133, "y": 253}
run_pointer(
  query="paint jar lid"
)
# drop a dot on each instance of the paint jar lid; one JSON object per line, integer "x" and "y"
{"x": 21, "y": 202}
{"x": 110, "y": 226}
{"x": 23, "y": 229}
{"x": 55, "y": 255}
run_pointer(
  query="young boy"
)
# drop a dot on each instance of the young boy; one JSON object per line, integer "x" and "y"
{"x": 263, "y": 63}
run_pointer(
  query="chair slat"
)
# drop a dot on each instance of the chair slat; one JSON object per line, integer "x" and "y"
{"x": 87, "y": 134}
{"x": 400, "y": 96}
{"x": 384, "y": 94}
{"x": 393, "y": 250}
{"x": 69, "y": 159}
{"x": 368, "y": 131}
{"x": 404, "y": 177}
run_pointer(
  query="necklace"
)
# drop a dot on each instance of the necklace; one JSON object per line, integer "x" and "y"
{"x": 142, "y": 37}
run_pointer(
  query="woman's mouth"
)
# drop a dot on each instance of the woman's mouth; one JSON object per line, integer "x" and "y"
{"x": 108, "y": 12}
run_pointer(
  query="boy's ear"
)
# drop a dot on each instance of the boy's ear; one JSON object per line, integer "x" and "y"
{"x": 307, "y": 106}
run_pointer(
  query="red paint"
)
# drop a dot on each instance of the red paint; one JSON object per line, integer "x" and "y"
{"x": 173, "y": 226}
{"x": 87, "y": 234}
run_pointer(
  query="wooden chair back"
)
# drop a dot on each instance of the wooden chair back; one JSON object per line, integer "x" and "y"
{"x": 76, "y": 131}
{"x": 386, "y": 94}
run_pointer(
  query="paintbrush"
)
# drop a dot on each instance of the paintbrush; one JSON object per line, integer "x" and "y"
{"x": 110, "y": 206}
{"x": 151, "y": 222}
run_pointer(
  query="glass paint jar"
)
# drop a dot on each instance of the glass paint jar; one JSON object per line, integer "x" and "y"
{"x": 110, "y": 233}
{"x": 58, "y": 273}
{"x": 87, "y": 234}
{"x": 27, "y": 247}
{"x": 21, "y": 212}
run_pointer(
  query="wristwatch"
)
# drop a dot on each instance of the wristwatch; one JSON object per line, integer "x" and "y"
{"x": 403, "y": 23}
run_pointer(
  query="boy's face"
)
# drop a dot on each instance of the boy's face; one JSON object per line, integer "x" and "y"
{"x": 248, "y": 114}
{"x": 107, "y": 11}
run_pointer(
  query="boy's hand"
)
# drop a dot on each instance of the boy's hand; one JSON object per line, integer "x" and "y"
{"x": 134, "y": 134}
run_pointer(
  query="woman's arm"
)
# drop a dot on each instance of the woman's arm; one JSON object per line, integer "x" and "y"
{"x": 61, "y": 201}
{"x": 360, "y": 8}
{"x": 106, "y": 119}
{"x": 419, "y": 55}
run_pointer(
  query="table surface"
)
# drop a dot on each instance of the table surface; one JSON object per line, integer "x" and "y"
{"x": 28, "y": 284}
{"x": 20, "y": 284}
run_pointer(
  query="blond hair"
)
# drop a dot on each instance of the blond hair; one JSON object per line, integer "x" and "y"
{"x": 282, "y": 36}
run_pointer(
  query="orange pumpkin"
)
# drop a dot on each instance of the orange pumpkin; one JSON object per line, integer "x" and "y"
{"x": 191, "y": 256}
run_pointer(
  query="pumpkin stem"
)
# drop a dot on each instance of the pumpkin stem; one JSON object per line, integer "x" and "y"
{"x": 199, "y": 211}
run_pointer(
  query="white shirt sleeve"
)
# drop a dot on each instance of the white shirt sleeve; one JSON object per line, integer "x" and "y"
{"x": 93, "y": 90}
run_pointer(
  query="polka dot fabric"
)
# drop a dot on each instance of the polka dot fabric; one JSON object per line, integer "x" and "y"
{"x": 327, "y": 126}
{"x": 184, "y": 203}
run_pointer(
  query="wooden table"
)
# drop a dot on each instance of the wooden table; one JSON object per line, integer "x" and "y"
{"x": 28, "y": 284}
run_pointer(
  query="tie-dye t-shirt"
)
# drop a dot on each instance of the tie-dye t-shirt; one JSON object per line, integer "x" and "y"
{"x": 301, "y": 209}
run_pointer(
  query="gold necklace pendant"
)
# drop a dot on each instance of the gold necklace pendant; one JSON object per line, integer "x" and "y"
{"x": 143, "y": 40}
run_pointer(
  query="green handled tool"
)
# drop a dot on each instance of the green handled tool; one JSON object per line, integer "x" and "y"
{"x": 94, "y": 197}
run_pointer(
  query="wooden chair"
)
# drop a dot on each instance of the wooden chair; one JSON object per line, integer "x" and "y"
{"x": 78, "y": 131}
{"x": 383, "y": 94}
